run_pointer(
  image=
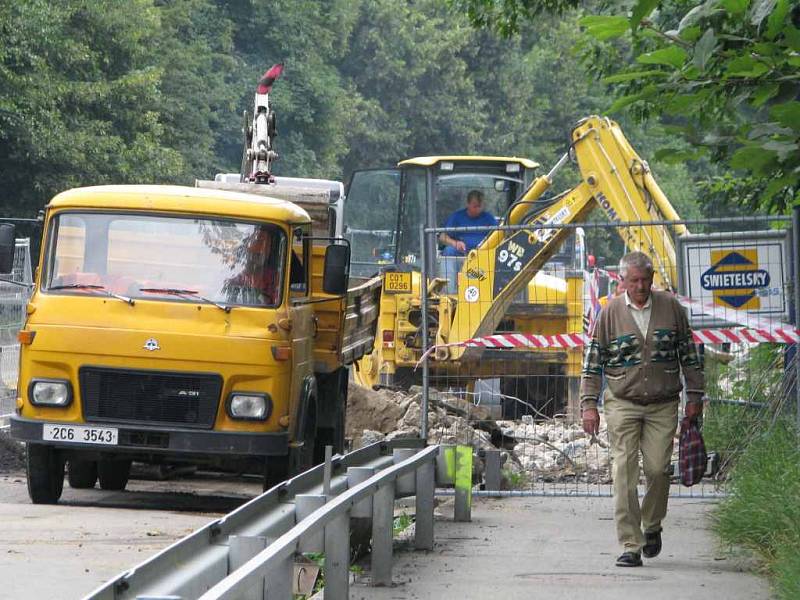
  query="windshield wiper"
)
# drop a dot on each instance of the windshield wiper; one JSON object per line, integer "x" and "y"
{"x": 185, "y": 294}
{"x": 93, "y": 287}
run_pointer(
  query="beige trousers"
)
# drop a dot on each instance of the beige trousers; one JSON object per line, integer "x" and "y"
{"x": 650, "y": 429}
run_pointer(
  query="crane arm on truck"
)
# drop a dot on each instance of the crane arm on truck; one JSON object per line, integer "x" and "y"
{"x": 613, "y": 178}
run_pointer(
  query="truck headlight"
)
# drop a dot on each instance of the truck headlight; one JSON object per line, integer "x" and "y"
{"x": 249, "y": 406}
{"x": 50, "y": 392}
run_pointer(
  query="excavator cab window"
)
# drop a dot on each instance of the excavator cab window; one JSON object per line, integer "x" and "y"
{"x": 413, "y": 212}
{"x": 370, "y": 219}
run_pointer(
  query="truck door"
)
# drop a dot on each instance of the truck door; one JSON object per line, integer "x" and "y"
{"x": 301, "y": 315}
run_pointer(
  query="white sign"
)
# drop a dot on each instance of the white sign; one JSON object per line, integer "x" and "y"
{"x": 740, "y": 271}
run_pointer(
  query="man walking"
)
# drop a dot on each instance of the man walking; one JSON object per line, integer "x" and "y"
{"x": 641, "y": 343}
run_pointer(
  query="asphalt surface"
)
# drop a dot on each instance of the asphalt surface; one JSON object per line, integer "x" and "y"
{"x": 514, "y": 548}
{"x": 564, "y": 548}
{"x": 65, "y": 551}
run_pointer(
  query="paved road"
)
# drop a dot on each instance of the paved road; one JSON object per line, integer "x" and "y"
{"x": 66, "y": 550}
{"x": 564, "y": 548}
{"x": 515, "y": 548}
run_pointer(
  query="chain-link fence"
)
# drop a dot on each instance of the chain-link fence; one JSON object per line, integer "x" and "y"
{"x": 13, "y": 299}
{"x": 507, "y": 328}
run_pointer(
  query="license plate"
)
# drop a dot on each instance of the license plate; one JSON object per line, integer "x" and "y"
{"x": 80, "y": 434}
{"x": 397, "y": 283}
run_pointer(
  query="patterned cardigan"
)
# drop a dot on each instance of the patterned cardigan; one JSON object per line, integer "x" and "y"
{"x": 642, "y": 368}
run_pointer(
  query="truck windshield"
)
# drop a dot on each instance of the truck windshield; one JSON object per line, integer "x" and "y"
{"x": 144, "y": 257}
{"x": 370, "y": 219}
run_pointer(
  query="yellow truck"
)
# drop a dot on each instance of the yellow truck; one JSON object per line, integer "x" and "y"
{"x": 175, "y": 325}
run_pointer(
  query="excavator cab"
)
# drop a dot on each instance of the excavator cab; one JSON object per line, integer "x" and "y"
{"x": 385, "y": 208}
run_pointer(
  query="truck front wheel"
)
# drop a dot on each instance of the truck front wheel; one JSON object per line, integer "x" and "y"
{"x": 82, "y": 474}
{"x": 45, "y": 470}
{"x": 113, "y": 474}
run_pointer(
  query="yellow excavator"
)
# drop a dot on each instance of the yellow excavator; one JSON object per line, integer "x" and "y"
{"x": 508, "y": 282}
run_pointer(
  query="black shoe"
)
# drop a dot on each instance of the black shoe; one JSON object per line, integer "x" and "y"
{"x": 629, "y": 559}
{"x": 652, "y": 543}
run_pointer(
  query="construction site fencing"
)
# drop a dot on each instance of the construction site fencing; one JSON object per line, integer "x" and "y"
{"x": 510, "y": 380}
{"x": 13, "y": 299}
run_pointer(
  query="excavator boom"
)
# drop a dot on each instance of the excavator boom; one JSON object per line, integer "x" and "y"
{"x": 613, "y": 178}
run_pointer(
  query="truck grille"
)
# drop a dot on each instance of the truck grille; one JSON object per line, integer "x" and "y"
{"x": 150, "y": 397}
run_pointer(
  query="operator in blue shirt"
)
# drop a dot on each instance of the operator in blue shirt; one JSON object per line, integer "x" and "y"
{"x": 458, "y": 244}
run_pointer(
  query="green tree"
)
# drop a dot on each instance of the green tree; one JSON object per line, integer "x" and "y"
{"x": 79, "y": 99}
{"x": 724, "y": 72}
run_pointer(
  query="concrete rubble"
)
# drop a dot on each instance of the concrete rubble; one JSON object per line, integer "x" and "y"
{"x": 531, "y": 451}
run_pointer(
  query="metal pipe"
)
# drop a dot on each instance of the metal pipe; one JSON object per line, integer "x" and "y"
{"x": 605, "y": 225}
{"x": 796, "y": 286}
{"x": 423, "y": 293}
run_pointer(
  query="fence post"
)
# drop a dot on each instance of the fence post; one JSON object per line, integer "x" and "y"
{"x": 423, "y": 292}
{"x": 796, "y": 287}
{"x": 242, "y": 549}
{"x": 406, "y": 484}
{"x": 304, "y": 505}
{"x": 382, "y": 535}
{"x": 423, "y": 526}
{"x": 492, "y": 477}
{"x": 279, "y": 580}
{"x": 463, "y": 498}
{"x": 337, "y": 558}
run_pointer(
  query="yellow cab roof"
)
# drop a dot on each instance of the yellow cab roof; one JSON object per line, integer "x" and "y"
{"x": 180, "y": 199}
{"x": 427, "y": 161}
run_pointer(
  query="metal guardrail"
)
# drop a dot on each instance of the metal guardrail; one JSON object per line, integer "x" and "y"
{"x": 249, "y": 553}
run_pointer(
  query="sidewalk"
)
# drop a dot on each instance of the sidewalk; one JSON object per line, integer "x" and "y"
{"x": 563, "y": 548}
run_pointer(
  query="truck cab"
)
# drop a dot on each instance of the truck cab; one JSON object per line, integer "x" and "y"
{"x": 180, "y": 325}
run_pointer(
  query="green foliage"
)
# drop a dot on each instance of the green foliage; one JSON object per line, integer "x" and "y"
{"x": 726, "y": 77}
{"x": 401, "y": 523}
{"x": 95, "y": 92}
{"x": 106, "y": 92}
{"x": 763, "y": 507}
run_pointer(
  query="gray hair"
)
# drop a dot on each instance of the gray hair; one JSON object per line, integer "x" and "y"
{"x": 637, "y": 260}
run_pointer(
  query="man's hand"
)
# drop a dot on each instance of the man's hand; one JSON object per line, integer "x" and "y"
{"x": 591, "y": 421}
{"x": 694, "y": 410}
{"x": 460, "y": 246}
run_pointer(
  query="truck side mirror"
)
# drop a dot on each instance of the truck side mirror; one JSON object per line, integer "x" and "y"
{"x": 7, "y": 247}
{"x": 336, "y": 271}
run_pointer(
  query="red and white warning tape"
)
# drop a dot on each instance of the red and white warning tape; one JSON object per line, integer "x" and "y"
{"x": 575, "y": 340}
{"x": 753, "y": 330}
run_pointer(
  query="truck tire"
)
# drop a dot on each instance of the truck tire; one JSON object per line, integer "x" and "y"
{"x": 82, "y": 474}
{"x": 113, "y": 474}
{"x": 45, "y": 470}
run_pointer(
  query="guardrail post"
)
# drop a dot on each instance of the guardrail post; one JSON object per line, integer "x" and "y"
{"x": 382, "y": 535}
{"x": 305, "y": 504}
{"x": 463, "y": 500}
{"x": 492, "y": 472}
{"x": 446, "y": 465}
{"x": 241, "y": 549}
{"x": 356, "y": 475}
{"x": 279, "y": 580}
{"x": 406, "y": 484}
{"x": 337, "y": 558}
{"x": 426, "y": 487}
